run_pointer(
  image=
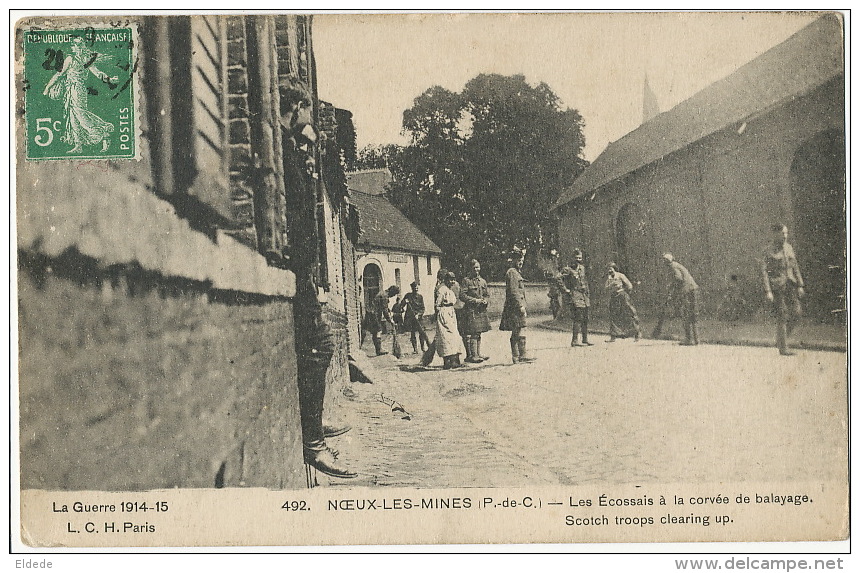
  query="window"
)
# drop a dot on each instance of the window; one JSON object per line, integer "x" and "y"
{"x": 415, "y": 271}
{"x": 397, "y": 278}
{"x": 429, "y": 265}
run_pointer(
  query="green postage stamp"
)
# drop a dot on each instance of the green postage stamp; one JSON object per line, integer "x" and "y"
{"x": 80, "y": 88}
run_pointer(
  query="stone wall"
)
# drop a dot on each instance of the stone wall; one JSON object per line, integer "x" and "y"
{"x": 537, "y": 301}
{"x": 130, "y": 380}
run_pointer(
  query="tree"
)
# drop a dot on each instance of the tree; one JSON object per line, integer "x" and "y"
{"x": 484, "y": 166}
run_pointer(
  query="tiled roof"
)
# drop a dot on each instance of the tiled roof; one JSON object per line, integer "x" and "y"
{"x": 806, "y": 60}
{"x": 371, "y": 181}
{"x": 384, "y": 226}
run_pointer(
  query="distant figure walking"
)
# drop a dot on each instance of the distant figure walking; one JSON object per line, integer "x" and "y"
{"x": 475, "y": 294}
{"x": 783, "y": 285}
{"x": 623, "y": 319}
{"x": 684, "y": 290}
{"x": 514, "y": 312}
{"x": 449, "y": 344}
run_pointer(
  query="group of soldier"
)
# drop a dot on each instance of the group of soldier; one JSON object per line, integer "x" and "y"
{"x": 461, "y": 307}
{"x": 781, "y": 279}
{"x": 460, "y": 313}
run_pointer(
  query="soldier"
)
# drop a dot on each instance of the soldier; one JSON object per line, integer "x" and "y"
{"x": 684, "y": 289}
{"x": 475, "y": 295}
{"x": 514, "y": 312}
{"x": 379, "y": 314}
{"x": 314, "y": 341}
{"x": 412, "y": 308}
{"x": 578, "y": 294}
{"x": 783, "y": 285}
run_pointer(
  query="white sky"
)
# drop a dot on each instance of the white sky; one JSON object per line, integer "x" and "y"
{"x": 375, "y": 65}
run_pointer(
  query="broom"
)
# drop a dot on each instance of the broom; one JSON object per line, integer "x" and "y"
{"x": 395, "y": 344}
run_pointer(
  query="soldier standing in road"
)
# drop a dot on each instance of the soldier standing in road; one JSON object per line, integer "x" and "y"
{"x": 577, "y": 292}
{"x": 412, "y": 307}
{"x": 783, "y": 285}
{"x": 377, "y": 314}
{"x": 475, "y": 295}
{"x": 514, "y": 312}
{"x": 685, "y": 290}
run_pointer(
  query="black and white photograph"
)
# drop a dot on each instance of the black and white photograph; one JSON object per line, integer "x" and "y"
{"x": 429, "y": 278}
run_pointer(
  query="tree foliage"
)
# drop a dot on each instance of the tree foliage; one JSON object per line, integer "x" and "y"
{"x": 484, "y": 166}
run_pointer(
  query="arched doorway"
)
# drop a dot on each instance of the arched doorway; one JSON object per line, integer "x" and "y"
{"x": 371, "y": 281}
{"x": 819, "y": 234}
{"x": 631, "y": 239}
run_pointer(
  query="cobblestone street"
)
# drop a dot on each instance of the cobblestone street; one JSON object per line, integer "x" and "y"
{"x": 646, "y": 412}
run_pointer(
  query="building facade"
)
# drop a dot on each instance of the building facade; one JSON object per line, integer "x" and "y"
{"x": 707, "y": 179}
{"x": 155, "y": 297}
{"x": 391, "y": 250}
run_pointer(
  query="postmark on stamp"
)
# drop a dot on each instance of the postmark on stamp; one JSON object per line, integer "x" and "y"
{"x": 80, "y": 88}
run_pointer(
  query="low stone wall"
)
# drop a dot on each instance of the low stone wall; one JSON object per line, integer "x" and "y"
{"x": 537, "y": 301}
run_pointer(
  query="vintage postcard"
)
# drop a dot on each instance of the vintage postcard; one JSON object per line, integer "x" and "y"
{"x": 291, "y": 279}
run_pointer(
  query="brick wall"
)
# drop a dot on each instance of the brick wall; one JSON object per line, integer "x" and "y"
{"x": 130, "y": 380}
{"x": 155, "y": 350}
{"x": 242, "y": 194}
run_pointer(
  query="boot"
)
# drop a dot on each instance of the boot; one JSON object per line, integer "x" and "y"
{"x": 472, "y": 351}
{"x": 695, "y": 331}
{"x": 522, "y": 347}
{"x": 480, "y": 356}
{"x": 782, "y": 338}
{"x": 377, "y": 343}
{"x": 575, "y": 334}
{"x": 325, "y": 461}
{"x": 585, "y": 341}
{"x": 467, "y": 344}
{"x": 330, "y": 431}
{"x": 455, "y": 362}
{"x": 688, "y": 335}
{"x": 515, "y": 350}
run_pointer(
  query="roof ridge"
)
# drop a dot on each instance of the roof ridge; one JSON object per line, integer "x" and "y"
{"x": 727, "y": 100}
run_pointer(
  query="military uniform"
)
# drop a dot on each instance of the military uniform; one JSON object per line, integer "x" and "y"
{"x": 376, "y": 318}
{"x": 685, "y": 290}
{"x": 781, "y": 277}
{"x": 514, "y": 311}
{"x": 514, "y": 314}
{"x": 578, "y": 296}
{"x": 475, "y": 295}
{"x": 412, "y": 307}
